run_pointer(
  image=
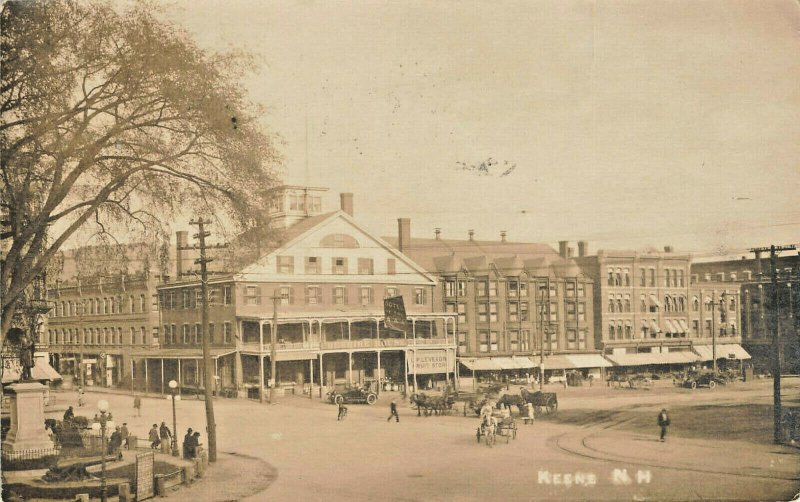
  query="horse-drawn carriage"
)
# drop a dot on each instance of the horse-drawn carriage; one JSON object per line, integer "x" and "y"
{"x": 429, "y": 405}
{"x": 490, "y": 429}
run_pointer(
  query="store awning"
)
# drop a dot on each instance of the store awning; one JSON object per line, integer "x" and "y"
{"x": 671, "y": 328}
{"x": 522, "y": 363}
{"x": 652, "y": 358}
{"x": 180, "y": 354}
{"x": 480, "y": 364}
{"x": 654, "y": 301}
{"x": 684, "y": 326}
{"x": 588, "y": 361}
{"x": 558, "y": 362}
{"x": 41, "y": 371}
{"x": 724, "y": 351}
{"x": 654, "y": 327}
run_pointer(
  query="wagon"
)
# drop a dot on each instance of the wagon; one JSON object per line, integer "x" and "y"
{"x": 539, "y": 399}
{"x": 507, "y": 428}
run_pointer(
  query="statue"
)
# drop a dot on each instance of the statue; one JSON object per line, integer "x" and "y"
{"x": 27, "y": 348}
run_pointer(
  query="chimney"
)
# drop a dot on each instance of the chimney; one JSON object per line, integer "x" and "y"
{"x": 583, "y": 247}
{"x": 562, "y": 249}
{"x": 667, "y": 249}
{"x": 502, "y": 235}
{"x": 438, "y": 232}
{"x": 472, "y": 235}
{"x": 346, "y": 203}
{"x": 403, "y": 233}
{"x": 181, "y": 242}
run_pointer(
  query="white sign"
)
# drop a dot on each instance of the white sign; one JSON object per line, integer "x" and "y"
{"x": 431, "y": 361}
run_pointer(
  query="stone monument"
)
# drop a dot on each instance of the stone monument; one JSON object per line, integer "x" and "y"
{"x": 27, "y": 437}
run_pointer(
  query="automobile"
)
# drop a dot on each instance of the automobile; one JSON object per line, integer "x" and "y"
{"x": 709, "y": 380}
{"x": 354, "y": 395}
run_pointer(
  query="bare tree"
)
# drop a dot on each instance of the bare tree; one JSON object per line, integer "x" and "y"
{"x": 116, "y": 120}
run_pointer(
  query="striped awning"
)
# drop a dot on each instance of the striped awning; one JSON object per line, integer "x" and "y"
{"x": 684, "y": 326}
{"x": 652, "y": 358}
{"x": 724, "y": 351}
{"x": 588, "y": 361}
{"x": 654, "y": 327}
{"x": 671, "y": 326}
{"x": 41, "y": 371}
{"x": 654, "y": 301}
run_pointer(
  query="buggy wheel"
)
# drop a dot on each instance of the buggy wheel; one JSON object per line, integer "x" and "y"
{"x": 712, "y": 384}
{"x": 338, "y": 399}
{"x": 371, "y": 398}
{"x": 478, "y": 434}
{"x": 552, "y": 407}
{"x": 693, "y": 385}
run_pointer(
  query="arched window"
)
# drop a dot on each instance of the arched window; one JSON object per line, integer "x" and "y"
{"x": 619, "y": 304}
{"x": 610, "y": 276}
{"x": 695, "y": 304}
{"x": 627, "y": 274}
{"x": 667, "y": 304}
{"x": 611, "y": 305}
{"x": 611, "y": 330}
{"x": 627, "y": 303}
{"x": 732, "y": 305}
{"x": 143, "y": 303}
{"x": 618, "y": 278}
{"x": 642, "y": 303}
{"x": 131, "y": 305}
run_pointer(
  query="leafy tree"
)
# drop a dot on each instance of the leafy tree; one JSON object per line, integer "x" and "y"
{"x": 112, "y": 122}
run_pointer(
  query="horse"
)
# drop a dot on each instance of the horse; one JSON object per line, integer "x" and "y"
{"x": 421, "y": 401}
{"x": 509, "y": 400}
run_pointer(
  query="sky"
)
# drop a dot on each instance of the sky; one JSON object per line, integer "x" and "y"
{"x": 627, "y": 124}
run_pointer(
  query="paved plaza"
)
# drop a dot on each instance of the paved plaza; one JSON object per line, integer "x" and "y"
{"x": 297, "y": 450}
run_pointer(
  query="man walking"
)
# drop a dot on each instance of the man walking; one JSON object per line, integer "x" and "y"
{"x": 342, "y": 412}
{"x": 154, "y": 438}
{"x": 125, "y": 434}
{"x": 663, "y": 422}
{"x": 165, "y": 435}
{"x": 137, "y": 405}
{"x": 393, "y": 412}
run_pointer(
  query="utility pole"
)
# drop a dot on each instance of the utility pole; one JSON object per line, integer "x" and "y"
{"x": 208, "y": 367}
{"x": 276, "y": 298}
{"x": 776, "y": 341}
{"x": 542, "y": 312}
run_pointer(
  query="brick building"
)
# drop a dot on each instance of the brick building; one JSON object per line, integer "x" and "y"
{"x": 647, "y": 311}
{"x": 754, "y": 277}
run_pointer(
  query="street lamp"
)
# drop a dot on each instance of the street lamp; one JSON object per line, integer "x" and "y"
{"x": 173, "y": 386}
{"x": 105, "y": 421}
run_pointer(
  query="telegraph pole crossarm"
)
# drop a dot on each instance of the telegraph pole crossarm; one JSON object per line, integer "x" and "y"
{"x": 776, "y": 343}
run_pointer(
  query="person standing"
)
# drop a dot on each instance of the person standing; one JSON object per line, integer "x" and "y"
{"x": 80, "y": 397}
{"x": 69, "y": 415}
{"x": 137, "y": 405}
{"x": 123, "y": 431}
{"x": 115, "y": 441}
{"x": 187, "y": 439}
{"x": 393, "y": 412}
{"x": 154, "y": 437}
{"x": 663, "y": 422}
{"x": 166, "y": 437}
{"x": 342, "y": 412}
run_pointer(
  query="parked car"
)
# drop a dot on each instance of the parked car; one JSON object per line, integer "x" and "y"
{"x": 355, "y": 395}
{"x": 709, "y": 380}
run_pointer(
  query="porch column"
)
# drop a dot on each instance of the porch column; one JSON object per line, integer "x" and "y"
{"x": 145, "y": 375}
{"x": 261, "y": 378}
{"x": 321, "y": 375}
{"x": 162, "y": 376}
{"x": 349, "y": 363}
{"x": 414, "y": 352}
{"x": 133, "y": 376}
{"x": 197, "y": 377}
{"x": 349, "y": 331}
{"x": 405, "y": 368}
{"x": 238, "y": 375}
{"x": 414, "y": 336}
{"x": 180, "y": 380}
{"x": 261, "y": 336}
{"x": 311, "y": 379}
{"x": 379, "y": 372}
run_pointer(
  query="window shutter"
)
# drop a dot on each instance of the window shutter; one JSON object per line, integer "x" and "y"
{"x": 258, "y": 295}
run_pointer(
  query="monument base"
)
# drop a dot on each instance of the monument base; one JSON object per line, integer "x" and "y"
{"x": 27, "y": 438}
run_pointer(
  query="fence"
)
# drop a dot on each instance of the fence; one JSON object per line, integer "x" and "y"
{"x": 30, "y": 454}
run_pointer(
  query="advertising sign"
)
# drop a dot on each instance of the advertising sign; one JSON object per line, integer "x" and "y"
{"x": 394, "y": 312}
{"x": 431, "y": 361}
{"x": 144, "y": 475}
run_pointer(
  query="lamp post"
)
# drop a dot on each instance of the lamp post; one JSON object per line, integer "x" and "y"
{"x": 173, "y": 386}
{"x": 105, "y": 421}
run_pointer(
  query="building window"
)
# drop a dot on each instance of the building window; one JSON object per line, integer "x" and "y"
{"x": 581, "y": 311}
{"x": 523, "y": 311}
{"x": 313, "y": 294}
{"x": 493, "y": 288}
{"x": 696, "y": 327}
{"x": 493, "y": 341}
{"x": 340, "y": 295}
{"x": 627, "y": 303}
{"x": 173, "y": 334}
{"x": 552, "y": 341}
{"x": 172, "y": 299}
{"x": 185, "y": 333}
{"x": 419, "y": 296}
{"x": 391, "y": 266}
{"x": 513, "y": 340}
{"x": 483, "y": 341}
{"x": 226, "y": 332}
{"x": 708, "y": 327}
{"x": 627, "y": 276}
{"x": 313, "y": 265}
{"x": 391, "y": 292}
{"x": 287, "y": 295}
{"x": 570, "y": 289}
{"x": 449, "y": 288}
{"x": 680, "y": 278}
{"x": 610, "y": 276}
{"x": 611, "y": 305}
{"x": 483, "y": 312}
{"x": 142, "y": 335}
{"x": 285, "y": 264}
{"x": 581, "y": 290}
{"x": 252, "y": 295}
{"x": 666, "y": 279}
{"x": 732, "y": 305}
{"x": 571, "y": 312}
{"x": 618, "y": 277}
{"x": 512, "y": 287}
{"x": 366, "y": 296}
{"x": 642, "y": 277}
{"x": 513, "y": 311}
{"x": 572, "y": 339}
{"x": 462, "y": 341}
{"x": 198, "y": 298}
{"x": 482, "y": 288}
{"x": 652, "y": 277}
{"x": 213, "y": 294}
{"x": 211, "y": 333}
{"x": 185, "y": 299}
{"x": 462, "y": 312}
{"x": 365, "y": 266}
{"x": 628, "y": 330}
{"x": 462, "y": 288}
{"x": 198, "y": 333}
{"x": 524, "y": 343}
{"x": 339, "y": 266}
{"x": 611, "y": 330}
{"x": 493, "y": 312}
{"x": 227, "y": 295}
{"x": 553, "y": 312}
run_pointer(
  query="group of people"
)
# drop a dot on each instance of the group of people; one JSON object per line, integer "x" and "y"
{"x": 160, "y": 437}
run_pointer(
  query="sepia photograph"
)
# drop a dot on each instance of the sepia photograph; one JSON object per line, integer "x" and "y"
{"x": 451, "y": 251}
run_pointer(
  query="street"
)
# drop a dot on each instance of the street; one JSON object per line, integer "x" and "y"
{"x": 586, "y": 452}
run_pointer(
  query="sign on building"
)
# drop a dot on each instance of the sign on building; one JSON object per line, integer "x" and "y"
{"x": 394, "y": 312}
{"x": 144, "y": 475}
{"x": 426, "y": 362}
